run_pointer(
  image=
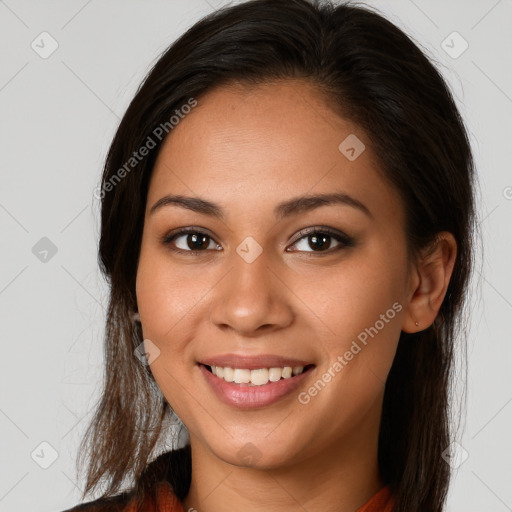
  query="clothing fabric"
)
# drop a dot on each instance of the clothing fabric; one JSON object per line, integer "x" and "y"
{"x": 382, "y": 501}
{"x": 167, "y": 501}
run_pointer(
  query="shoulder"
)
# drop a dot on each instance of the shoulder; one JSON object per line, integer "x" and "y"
{"x": 163, "y": 499}
{"x": 117, "y": 503}
{"x": 157, "y": 482}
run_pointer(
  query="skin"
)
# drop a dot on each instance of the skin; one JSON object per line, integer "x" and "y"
{"x": 248, "y": 149}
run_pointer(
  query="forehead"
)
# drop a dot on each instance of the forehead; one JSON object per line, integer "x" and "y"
{"x": 254, "y": 145}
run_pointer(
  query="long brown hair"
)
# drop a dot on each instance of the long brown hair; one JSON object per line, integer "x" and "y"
{"x": 373, "y": 75}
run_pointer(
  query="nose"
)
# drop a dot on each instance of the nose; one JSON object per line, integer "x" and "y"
{"x": 251, "y": 299}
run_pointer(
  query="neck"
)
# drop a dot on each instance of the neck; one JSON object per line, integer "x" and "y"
{"x": 343, "y": 476}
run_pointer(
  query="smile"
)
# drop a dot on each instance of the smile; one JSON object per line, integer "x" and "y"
{"x": 235, "y": 386}
{"x": 257, "y": 377}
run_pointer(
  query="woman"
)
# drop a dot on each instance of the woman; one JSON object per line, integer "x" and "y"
{"x": 287, "y": 223}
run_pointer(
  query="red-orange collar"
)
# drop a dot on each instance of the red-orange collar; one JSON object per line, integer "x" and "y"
{"x": 382, "y": 501}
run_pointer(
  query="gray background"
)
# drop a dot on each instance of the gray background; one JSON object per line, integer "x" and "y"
{"x": 58, "y": 115}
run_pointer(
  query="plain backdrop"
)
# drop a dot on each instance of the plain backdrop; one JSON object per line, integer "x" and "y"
{"x": 58, "y": 114}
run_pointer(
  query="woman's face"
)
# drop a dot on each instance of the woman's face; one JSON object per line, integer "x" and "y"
{"x": 268, "y": 281}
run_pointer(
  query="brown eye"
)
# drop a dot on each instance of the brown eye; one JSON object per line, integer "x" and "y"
{"x": 190, "y": 241}
{"x": 196, "y": 241}
{"x": 320, "y": 240}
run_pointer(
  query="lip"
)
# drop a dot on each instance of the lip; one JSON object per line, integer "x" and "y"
{"x": 244, "y": 396}
{"x": 253, "y": 362}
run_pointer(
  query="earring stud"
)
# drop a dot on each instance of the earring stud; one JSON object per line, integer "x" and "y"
{"x": 417, "y": 324}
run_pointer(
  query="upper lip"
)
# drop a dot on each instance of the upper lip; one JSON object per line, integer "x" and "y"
{"x": 253, "y": 362}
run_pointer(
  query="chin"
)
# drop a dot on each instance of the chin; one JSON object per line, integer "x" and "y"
{"x": 258, "y": 453}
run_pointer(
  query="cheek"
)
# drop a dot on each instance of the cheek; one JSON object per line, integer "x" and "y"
{"x": 360, "y": 309}
{"x": 166, "y": 293}
{"x": 166, "y": 299}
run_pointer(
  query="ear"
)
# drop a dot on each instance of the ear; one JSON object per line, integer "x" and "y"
{"x": 428, "y": 283}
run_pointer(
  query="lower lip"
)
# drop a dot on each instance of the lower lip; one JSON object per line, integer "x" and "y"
{"x": 247, "y": 397}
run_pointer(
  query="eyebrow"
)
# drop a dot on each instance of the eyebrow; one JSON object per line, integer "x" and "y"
{"x": 291, "y": 207}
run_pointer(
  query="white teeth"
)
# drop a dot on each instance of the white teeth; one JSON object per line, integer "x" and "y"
{"x": 258, "y": 377}
{"x": 274, "y": 374}
{"x": 229, "y": 374}
{"x": 242, "y": 376}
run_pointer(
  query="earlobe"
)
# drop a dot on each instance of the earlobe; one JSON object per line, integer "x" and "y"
{"x": 431, "y": 278}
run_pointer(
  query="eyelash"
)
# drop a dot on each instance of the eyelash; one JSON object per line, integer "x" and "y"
{"x": 345, "y": 240}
